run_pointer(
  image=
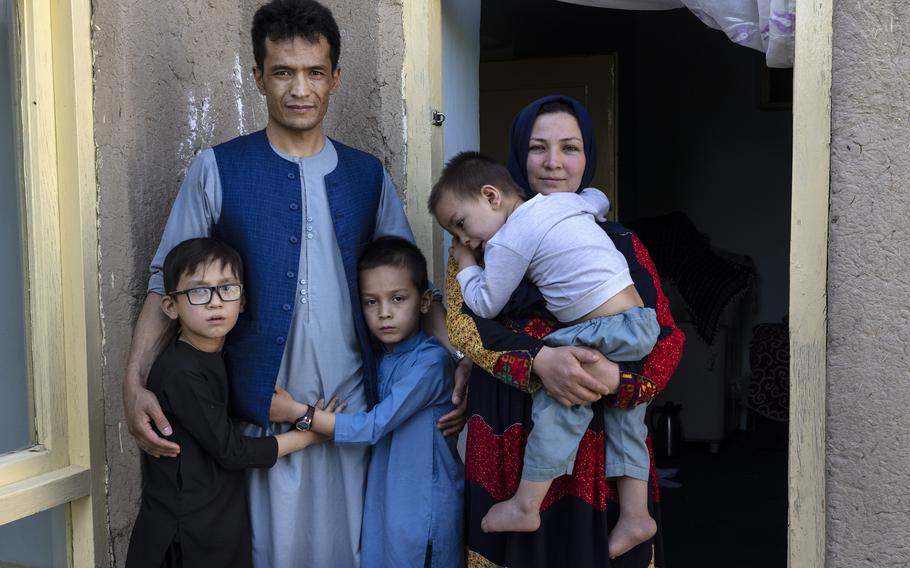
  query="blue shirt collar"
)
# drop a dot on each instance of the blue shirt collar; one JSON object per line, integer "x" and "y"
{"x": 408, "y": 344}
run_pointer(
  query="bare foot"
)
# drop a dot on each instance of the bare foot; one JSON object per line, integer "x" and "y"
{"x": 511, "y": 516}
{"x": 628, "y": 533}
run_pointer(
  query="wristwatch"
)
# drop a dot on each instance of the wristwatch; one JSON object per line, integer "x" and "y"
{"x": 305, "y": 422}
{"x": 458, "y": 356}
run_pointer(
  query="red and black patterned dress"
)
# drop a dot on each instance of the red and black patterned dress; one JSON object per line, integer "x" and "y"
{"x": 580, "y": 509}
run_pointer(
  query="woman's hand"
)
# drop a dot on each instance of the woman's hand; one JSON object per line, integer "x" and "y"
{"x": 605, "y": 371}
{"x": 575, "y": 375}
{"x": 284, "y": 408}
{"x": 453, "y": 422}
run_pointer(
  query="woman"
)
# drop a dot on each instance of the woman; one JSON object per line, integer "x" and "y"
{"x": 551, "y": 149}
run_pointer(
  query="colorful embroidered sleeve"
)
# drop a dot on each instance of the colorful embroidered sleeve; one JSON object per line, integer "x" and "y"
{"x": 640, "y": 382}
{"x": 500, "y": 351}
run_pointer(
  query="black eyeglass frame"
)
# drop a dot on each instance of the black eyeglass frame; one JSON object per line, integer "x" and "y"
{"x": 212, "y": 291}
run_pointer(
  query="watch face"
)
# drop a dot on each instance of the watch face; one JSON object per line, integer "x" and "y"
{"x": 302, "y": 424}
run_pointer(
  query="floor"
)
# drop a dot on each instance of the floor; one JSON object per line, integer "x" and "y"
{"x": 731, "y": 508}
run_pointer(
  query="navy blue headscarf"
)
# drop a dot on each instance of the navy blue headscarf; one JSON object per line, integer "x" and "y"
{"x": 521, "y": 134}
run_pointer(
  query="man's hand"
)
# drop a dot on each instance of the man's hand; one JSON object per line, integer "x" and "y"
{"x": 152, "y": 332}
{"x": 284, "y": 408}
{"x": 452, "y": 423}
{"x": 142, "y": 409}
{"x": 575, "y": 375}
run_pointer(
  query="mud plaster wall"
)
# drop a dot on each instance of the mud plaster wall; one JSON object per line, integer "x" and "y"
{"x": 172, "y": 77}
{"x": 868, "y": 426}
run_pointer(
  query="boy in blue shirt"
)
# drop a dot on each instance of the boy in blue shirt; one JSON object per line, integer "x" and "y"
{"x": 413, "y": 510}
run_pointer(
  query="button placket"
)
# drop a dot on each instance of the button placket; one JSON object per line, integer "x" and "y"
{"x": 303, "y": 268}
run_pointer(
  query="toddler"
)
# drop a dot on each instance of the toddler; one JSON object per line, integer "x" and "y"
{"x": 553, "y": 240}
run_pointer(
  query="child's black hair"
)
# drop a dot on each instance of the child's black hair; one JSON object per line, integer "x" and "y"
{"x": 466, "y": 173}
{"x": 399, "y": 253}
{"x": 186, "y": 257}
{"x": 281, "y": 20}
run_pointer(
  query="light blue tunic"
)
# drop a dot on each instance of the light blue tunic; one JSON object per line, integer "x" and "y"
{"x": 415, "y": 480}
{"x": 321, "y": 360}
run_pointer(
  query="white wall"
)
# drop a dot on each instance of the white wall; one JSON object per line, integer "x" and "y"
{"x": 460, "y": 79}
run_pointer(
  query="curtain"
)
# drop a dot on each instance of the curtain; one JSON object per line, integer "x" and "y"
{"x": 765, "y": 25}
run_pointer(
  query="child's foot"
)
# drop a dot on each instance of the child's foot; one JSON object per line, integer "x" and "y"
{"x": 628, "y": 533}
{"x": 511, "y": 516}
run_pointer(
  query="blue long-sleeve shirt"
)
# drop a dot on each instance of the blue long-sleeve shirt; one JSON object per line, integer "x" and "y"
{"x": 415, "y": 479}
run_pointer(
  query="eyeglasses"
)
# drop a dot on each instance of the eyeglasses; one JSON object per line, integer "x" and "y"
{"x": 203, "y": 294}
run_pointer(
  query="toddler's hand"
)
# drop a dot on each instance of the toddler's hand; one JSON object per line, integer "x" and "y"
{"x": 284, "y": 408}
{"x": 463, "y": 255}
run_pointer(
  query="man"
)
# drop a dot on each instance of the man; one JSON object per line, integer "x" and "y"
{"x": 299, "y": 207}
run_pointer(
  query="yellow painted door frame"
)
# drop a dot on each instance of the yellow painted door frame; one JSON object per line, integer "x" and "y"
{"x": 423, "y": 132}
{"x": 808, "y": 283}
{"x": 808, "y": 240}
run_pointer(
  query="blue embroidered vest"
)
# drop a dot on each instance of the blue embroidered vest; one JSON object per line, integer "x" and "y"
{"x": 262, "y": 217}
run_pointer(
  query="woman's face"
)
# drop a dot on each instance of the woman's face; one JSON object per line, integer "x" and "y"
{"x": 556, "y": 154}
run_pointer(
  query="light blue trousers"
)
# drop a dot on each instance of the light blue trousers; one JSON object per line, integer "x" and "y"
{"x": 553, "y": 441}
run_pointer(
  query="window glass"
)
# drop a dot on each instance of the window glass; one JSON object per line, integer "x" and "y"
{"x": 16, "y": 430}
{"x": 38, "y": 541}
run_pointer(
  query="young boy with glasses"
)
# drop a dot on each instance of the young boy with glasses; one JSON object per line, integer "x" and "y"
{"x": 194, "y": 505}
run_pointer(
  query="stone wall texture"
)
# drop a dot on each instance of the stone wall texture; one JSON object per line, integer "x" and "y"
{"x": 173, "y": 77}
{"x": 868, "y": 425}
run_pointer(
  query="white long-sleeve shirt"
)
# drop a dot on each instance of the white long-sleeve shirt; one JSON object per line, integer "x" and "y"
{"x": 555, "y": 241}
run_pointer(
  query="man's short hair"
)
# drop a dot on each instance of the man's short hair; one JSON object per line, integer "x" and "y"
{"x": 189, "y": 255}
{"x": 280, "y": 20}
{"x": 398, "y": 253}
{"x": 466, "y": 173}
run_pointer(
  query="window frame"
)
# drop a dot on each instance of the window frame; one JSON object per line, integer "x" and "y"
{"x": 53, "y": 68}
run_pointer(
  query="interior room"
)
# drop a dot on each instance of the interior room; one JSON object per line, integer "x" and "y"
{"x": 694, "y": 137}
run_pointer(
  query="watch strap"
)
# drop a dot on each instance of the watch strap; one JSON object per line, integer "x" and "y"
{"x": 305, "y": 422}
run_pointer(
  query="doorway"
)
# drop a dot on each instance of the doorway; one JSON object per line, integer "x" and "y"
{"x": 694, "y": 135}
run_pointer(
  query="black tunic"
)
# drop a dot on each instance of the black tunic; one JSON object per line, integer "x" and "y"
{"x": 197, "y": 499}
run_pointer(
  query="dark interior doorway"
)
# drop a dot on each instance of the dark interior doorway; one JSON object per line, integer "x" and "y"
{"x": 703, "y": 163}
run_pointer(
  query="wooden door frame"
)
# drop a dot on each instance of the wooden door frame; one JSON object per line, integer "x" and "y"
{"x": 808, "y": 237}
{"x": 806, "y": 541}
{"x": 422, "y": 78}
